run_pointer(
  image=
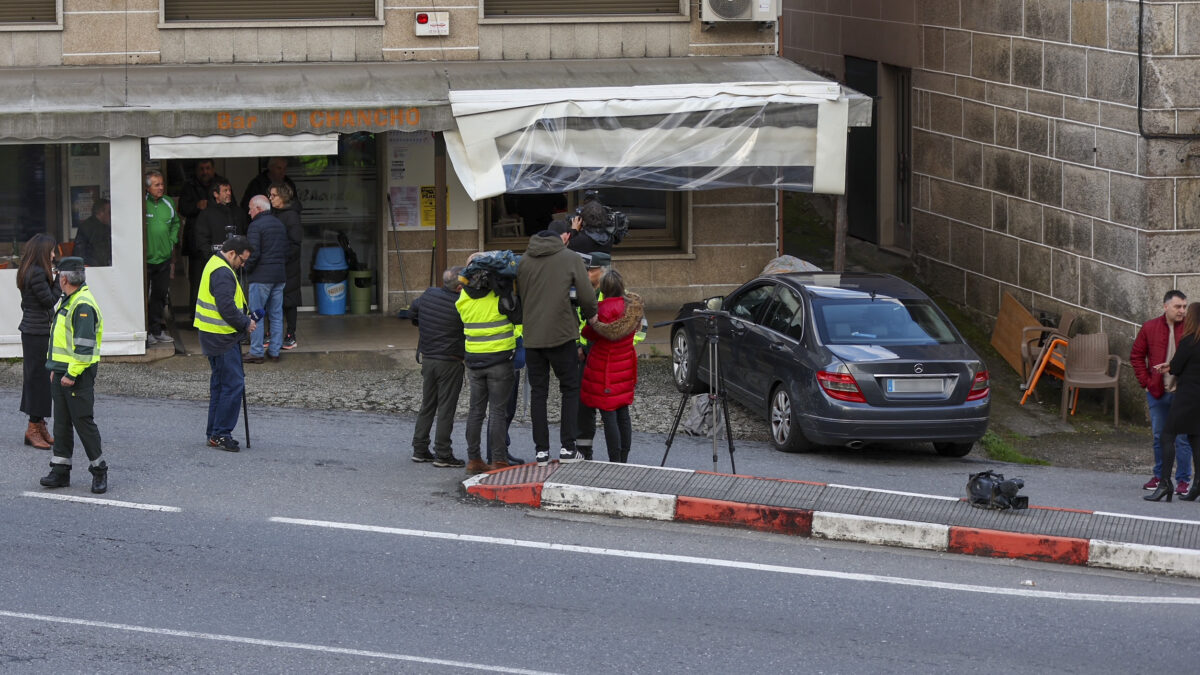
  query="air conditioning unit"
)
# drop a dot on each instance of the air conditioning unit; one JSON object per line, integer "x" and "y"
{"x": 739, "y": 10}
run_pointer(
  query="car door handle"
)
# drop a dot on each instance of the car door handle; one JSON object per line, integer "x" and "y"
{"x": 738, "y": 327}
{"x": 777, "y": 347}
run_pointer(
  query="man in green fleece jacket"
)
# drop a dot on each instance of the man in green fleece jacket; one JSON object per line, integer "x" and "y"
{"x": 162, "y": 235}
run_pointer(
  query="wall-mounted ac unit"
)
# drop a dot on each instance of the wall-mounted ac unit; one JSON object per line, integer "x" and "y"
{"x": 739, "y": 10}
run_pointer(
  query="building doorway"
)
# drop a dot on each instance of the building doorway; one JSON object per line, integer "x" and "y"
{"x": 878, "y": 172}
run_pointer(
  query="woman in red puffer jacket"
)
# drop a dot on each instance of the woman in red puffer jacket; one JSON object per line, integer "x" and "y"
{"x": 610, "y": 374}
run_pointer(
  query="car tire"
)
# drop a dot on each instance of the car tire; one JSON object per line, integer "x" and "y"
{"x": 953, "y": 449}
{"x": 683, "y": 363}
{"x": 785, "y": 432}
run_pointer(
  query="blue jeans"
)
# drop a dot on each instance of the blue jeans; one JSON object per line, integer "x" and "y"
{"x": 225, "y": 389}
{"x": 1183, "y": 451}
{"x": 269, "y": 298}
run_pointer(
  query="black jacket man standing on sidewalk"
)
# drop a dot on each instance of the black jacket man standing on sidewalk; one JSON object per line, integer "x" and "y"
{"x": 441, "y": 347}
{"x": 74, "y": 353}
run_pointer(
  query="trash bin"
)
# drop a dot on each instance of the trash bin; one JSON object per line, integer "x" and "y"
{"x": 329, "y": 274}
{"x": 361, "y": 285}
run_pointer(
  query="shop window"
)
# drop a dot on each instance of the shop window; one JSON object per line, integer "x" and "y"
{"x": 655, "y": 217}
{"x": 60, "y": 189}
{"x": 24, "y": 12}
{"x": 292, "y": 10}
{"x": 499, "y": 9}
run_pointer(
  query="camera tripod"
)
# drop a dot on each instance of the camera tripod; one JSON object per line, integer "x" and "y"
{"x": 716, "y": 388}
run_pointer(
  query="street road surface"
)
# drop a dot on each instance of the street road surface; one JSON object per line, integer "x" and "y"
{"x": 324, "y": 549}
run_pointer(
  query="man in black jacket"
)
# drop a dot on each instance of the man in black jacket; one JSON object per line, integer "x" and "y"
{"x": 210, "y": 228}
{"x": 194, "y": 199}
{"x": 441, "y": 350}
{"x": 276, "y": 173}
{"x": 266, "y": 274}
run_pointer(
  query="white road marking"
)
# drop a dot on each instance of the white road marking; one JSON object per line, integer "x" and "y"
{"x": 737, "y": 564}
{"x": 894, "y": 492}
{"x": 269, "y": 643}
{"x": 1152, "y": 518}
{"x": 102, "y": 502}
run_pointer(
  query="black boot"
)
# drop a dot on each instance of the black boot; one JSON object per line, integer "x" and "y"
{"x": 1193, "y": 491}
{"x": 99, "y": 477}
{"x": 59, "y": 476}
{"x": 1165, "y": 489}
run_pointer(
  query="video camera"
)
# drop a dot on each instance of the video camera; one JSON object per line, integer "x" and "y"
{"x": 616, "y": 223}
{"x": 990, "y": 490}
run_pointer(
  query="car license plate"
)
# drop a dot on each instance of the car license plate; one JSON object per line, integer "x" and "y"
{"x": 915, "y": 385}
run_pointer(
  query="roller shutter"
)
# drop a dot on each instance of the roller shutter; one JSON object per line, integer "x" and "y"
{"x": 241, "y": 10}
{"x": 502, "y": 8}
{"x": 28, "y": 11}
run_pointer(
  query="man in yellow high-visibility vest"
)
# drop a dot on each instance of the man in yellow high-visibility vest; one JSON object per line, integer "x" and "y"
{"x": 222, "y": 322}
{"x": 74, "y": 352}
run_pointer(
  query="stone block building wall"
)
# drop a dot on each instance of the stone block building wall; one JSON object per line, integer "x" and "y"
{"x": 1030, "y": 175}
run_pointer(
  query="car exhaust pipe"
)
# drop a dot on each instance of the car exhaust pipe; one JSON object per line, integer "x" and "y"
{"x": 855, "y": 445}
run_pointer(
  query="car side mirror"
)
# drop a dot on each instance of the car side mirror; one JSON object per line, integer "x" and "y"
{"x": 714, "y": 303}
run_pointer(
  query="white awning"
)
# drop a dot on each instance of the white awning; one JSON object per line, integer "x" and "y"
{"x": 272, "y": 145}
{"x": 689, "y": 135}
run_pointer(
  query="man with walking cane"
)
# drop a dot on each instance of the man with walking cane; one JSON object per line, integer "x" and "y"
{"x": 222, "y": 321}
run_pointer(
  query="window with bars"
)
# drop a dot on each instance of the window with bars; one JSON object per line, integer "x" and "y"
{"x": 499, "y": 9}
{"x": 28, "y": 11}
{"x": 291, "y": 10}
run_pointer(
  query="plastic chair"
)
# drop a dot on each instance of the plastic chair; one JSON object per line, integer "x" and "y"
{"x": 66, "y": 249}
{"x": 1033, "y": 338}
{"x": 1087, "y": 367}
{"x": 1052, "y": 360}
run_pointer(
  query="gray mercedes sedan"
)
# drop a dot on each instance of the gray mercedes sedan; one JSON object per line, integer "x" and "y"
{"x": 837, "y": 359}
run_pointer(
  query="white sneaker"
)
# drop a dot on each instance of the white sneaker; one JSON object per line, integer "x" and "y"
{"x": 163, "y": 337}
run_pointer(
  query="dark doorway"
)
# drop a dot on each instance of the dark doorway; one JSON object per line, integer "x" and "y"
{"x": 862, "y": 183}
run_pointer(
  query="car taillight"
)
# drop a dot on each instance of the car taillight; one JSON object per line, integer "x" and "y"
{"x": 840, "y": 386}
{"x": 980, "y": 387}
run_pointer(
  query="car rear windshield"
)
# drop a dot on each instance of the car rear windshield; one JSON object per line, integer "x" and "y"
{"x": 859, "y": 319}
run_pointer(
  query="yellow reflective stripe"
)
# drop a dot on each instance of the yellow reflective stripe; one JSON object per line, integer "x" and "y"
{"x": 487, "y": 324}
{"x": 489, "y": 338}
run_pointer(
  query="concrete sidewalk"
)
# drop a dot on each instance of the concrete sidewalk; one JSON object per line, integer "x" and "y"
{"x": 848, "y": 513}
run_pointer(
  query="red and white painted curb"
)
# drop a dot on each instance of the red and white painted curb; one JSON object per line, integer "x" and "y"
{"x": 846, "y": 527}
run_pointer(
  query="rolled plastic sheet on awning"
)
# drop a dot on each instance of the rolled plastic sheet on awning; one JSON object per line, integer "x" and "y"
{"x": 698, "y": 136}
{"x": 273, "y": 145}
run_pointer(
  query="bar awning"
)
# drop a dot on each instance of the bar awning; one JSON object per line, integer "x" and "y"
{"x": 271, "y": 145}
{"x": 684, "y": 123}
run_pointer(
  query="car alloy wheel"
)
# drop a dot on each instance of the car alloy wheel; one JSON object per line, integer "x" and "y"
{"x": 681, "y": 352}
{"x": 781, "y": 417}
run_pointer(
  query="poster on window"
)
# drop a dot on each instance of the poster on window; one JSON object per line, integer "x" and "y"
{"x": 406, "y": 207}
{"x": 83, "y": 198}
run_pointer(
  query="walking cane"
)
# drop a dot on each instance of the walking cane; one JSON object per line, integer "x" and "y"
{"x": 245, "y": 416}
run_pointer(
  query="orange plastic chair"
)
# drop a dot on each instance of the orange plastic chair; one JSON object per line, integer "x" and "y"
{"x": 1051, "y": 361}
{"x": 66, "y": 249}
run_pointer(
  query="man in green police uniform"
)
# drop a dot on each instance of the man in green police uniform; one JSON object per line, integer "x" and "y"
{"x": 74, "y": 353}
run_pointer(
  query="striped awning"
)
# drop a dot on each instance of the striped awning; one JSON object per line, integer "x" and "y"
{"x": 788, "y": 135}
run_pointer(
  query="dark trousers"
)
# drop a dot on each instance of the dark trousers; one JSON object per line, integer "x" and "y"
{"x": 196, "y": 265}
{"x": 441, "y": 386}
{"x": 159, "y": 275}
{"x": 1168, "y": 454}
{"x": 74, "y": 407}
{"x": 586, "y": 418}
{"x": 618, "y": 433}
{"x": 509, "y": 413}
{"x": 289, "y": 318}
{"x": 490, "y": 390}
{"x": 225, "y": 389}
{"x": 564, "y": 361}
{"x": 35, "y": 387}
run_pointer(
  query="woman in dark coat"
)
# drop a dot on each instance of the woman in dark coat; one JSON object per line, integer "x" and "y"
{"x": 1184, "y": 416}
{"x": 286, "y": 209}
{"x": 39, "y": 294}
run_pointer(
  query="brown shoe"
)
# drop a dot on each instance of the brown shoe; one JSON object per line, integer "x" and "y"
{"x": 33, "y": 436}
{"x": 496, "y": 466}
{"x": 45, "y": 432}
{"x": 252, "y": 359}
{"x": 475, "y": 466}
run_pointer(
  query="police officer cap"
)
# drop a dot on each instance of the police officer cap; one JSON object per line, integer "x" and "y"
{"x": 599, "y": 259}
{"x": 71, "y": 264}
